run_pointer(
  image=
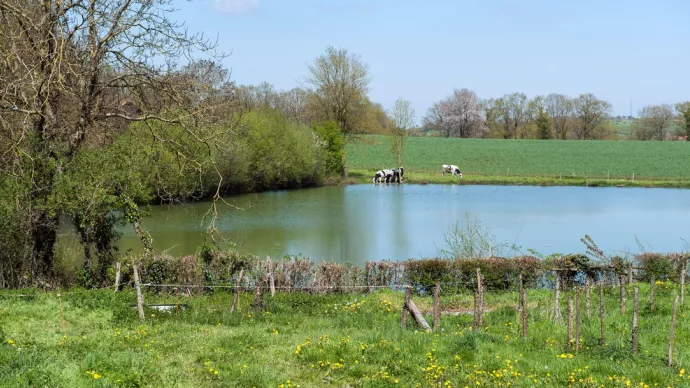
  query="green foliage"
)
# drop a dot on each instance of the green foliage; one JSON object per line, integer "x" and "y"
{"x": 281, "y": 154}
{"x": 683, "y": 110}
{"x": 543, "y": 124}
{"x": 330, "y": 132}
{"x": 461, "y": 275}
{"x": 660, "y": 267}
{"x": 528, "y": 158}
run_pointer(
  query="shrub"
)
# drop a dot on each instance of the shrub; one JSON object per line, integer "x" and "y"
{"x": 661, "y": 267}
{"x": 500, "y": 274}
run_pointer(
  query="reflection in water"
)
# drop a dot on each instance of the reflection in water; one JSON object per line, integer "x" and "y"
{"x": 397, "y": 222}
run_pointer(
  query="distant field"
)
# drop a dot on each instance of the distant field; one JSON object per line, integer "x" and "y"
{"x": 665, "y": 161}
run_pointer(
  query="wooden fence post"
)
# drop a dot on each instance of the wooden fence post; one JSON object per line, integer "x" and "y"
{"x": 258, "y": 302}
{"x": 480, "y": 289}
{"x": 140, "y": 297}
{"x": 588, "y": 310}
{"x": 118, "y": 268}
{"x": 271, "y": 279}
{"x": 602, "y": 341}
{"x": 630, "y": 273}
{"x": 236, "y": 296}
{"x": 525, "y": 314}
{"x": 634, "y": 320}
{"x": 652, "y": 285}
{"x": 177, "y": 300}
{"x": 437, "y": 305}
{"x": 673, "y": 331}
{"x": 417, "y": 315}
{"x": 520, "y": 303}
{"x": 683, "y": 270}
{"x": 557, "y": 300}
{"x": 622, "y": 298}
{"x": 577, "y": 319}
{"x": 570, "y": 320}
{"x": 403, "y": 319}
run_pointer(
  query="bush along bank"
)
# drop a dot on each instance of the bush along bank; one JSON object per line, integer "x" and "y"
{"x": 211, "y": 268}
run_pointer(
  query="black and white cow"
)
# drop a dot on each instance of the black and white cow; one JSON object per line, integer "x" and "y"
{"x": 389, "y": 176}
{"x": 383, "y": 176}
{"x": 452, "y": 169}
{"x": 398, "y": 175}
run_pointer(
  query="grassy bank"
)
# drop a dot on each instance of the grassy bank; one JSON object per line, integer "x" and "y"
{"x": 328, "y": 340}
{"x": 529, "y": 162}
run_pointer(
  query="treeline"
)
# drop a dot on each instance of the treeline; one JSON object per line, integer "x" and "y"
{"x": 92, "y": 127}
{"x": 556, "y": 116}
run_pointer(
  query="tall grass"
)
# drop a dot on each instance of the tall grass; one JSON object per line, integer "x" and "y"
{"x": 327, "y": 340}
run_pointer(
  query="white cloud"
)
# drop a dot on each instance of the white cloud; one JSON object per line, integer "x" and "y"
{"x": 234, "y": 5}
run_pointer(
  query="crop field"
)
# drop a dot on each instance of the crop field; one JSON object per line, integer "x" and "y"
{"x": 540, "y": 160}
{"x": 346, "y": 340}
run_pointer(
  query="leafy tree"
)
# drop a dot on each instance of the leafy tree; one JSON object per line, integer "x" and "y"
{"x": 591, "y": 114}
{"x": 543, "y": 124}
{"x": 683, "y": 118}
{"x": 335, "y": 146}
{"x": 340, "y": 82}
{"x": 653, "y": 122}
{"x": 403, "y": 117}
{"x": 71, "y": 73}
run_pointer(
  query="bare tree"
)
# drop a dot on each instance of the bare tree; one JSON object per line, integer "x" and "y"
{"x": 340, "y": 82}
{"x": 510, "y": 113}
{"x": 68, "y": 71}
{"x": 653, "y": 122}
{"x": 434, "y": 119}
{"x": 403, "y": 117}
{"x": 591, "y": 113}
{"x": 560, "y": 108}
{"x": 458, "y": 115}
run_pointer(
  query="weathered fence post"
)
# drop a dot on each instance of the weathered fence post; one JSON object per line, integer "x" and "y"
{"x": 520, "y": 303}
{"x": 271, "y": 279}
{"x": 258, "y": 302}
{"x": 557, "y": 300}
{"x": 140, "y": 297}
{"x": 623, "y": 300}
{"x": 177, "y": 300}
{"x": 437, "y": 305}
{"x": 403, "y": 318}
{"x": 683, "y": 270}
{"x": 673, "y": 331}
{"x": 236, "y": 296}
{"x": 480, "y": 289}
{"x": 588, "y": 306}
{"x": 634, "y": 320}
{"x": 525, "y": 314}
{"x": 652, "y": 285}
{"x": 570, "y": 320}
{"x": 577, "y": 319}
{"x": 630, "y": 273}
{"x": 602, "y": 341}
{"x": 118, "y": 268}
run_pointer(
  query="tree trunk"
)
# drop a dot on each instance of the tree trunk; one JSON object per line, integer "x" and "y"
{"x": 44, "y": 236}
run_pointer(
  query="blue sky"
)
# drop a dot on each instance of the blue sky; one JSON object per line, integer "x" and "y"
{"x": 618, "y": 50}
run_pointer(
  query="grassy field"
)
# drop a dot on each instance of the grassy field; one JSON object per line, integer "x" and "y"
{"x": 596, "y": 163}
{"x": 328, "y": 340}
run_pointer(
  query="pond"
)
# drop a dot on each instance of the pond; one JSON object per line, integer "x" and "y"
{"x": 359, "y": 223}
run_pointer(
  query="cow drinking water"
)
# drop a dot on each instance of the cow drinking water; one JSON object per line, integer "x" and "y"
{"x": 452, "y": 169}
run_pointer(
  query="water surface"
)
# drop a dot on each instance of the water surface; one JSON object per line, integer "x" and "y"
{"x": 396, "y": 222}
